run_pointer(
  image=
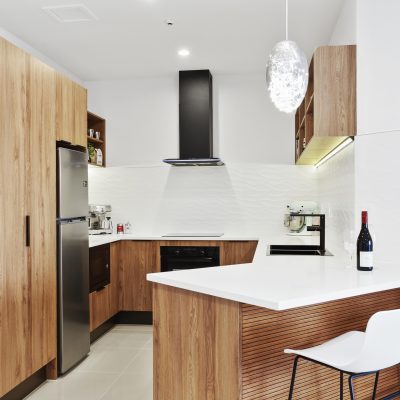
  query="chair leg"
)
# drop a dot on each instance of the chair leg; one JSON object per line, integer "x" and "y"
{"x": 341, "y": 385}
{"x": 351, "y": 388}
{"x": 293, "y": 377}
{"x": 375, "y": 386}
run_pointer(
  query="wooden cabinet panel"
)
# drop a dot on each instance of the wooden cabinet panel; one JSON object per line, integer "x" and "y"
{"x": 137, "y": 259}
{"x": 15, "y": 311}
{"x": 99, "y": 303}
{"x": 115, "y": 287}
{"x": 65, "y": 109}
{"x": 80, "y": 115}
{"x": 71, "y": 113}
{"x": 42, "y": 188}
{"x": 237, "y": 252}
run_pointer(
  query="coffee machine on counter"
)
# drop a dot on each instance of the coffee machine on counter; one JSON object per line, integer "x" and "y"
{"x": 297, "y": 224}
{"x": 99, "y": 222}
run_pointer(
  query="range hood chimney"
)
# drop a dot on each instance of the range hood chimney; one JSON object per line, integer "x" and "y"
{"x": 195, "y": 120}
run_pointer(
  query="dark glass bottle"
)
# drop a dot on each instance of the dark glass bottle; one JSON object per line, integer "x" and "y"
{"x": 365, "y": 246}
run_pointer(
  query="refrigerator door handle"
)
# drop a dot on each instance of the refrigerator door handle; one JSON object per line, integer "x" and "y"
{"x": 28, "y": 231}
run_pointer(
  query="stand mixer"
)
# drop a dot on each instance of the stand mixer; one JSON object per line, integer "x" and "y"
{"x": 99, "y": 222}
{"x": 297, "y": 224}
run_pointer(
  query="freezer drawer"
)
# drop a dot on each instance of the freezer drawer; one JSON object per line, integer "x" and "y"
{"x": 72, "y": 171}
{"x": 73, "y": 294}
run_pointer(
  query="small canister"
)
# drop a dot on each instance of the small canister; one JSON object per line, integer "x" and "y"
{"x": 120, "y": 228}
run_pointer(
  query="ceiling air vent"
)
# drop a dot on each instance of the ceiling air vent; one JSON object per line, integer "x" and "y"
{"x": 70, "y": 13}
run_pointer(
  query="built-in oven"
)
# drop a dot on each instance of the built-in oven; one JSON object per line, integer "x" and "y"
{"x": 99, "y": 267}
{"x": 175, "y": 258}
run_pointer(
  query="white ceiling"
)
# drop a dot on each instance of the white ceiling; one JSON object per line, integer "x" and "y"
{"x": 130, "y": 38}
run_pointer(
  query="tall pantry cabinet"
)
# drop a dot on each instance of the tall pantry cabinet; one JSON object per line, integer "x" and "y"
{"x": 27, "y": 216}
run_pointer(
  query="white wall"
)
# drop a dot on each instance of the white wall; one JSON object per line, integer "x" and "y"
{"x": 377, "y": 161}
{"x": 142, "y": 120}
{"x": 29, "y": 49}
{"x": 378, "y": 66}
{"x": 237, "y": 199}
{"x": 345, "y": 31}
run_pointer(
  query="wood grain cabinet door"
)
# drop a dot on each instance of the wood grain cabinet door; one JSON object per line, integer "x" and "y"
{"x": 80, "y": 115}
{"x": 65, "y": 123}
{"x": 41, "y": 184}
{"x": 237, "y": 252}
{"x": 71, "y": 116}
{"x": 138, "y": 258}
{"x": 14, "y": 274}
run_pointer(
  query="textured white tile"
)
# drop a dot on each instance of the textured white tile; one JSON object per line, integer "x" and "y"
{"x": 236, "y": 199}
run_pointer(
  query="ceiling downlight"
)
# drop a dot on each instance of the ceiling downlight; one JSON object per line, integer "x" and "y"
{"x": 70, "y": 13}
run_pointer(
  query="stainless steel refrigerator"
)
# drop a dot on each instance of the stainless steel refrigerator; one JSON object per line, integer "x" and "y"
{"x": 73, "y": 258}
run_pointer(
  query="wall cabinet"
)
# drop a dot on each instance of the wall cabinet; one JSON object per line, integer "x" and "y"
{"x": 27, "y": 216}
{"x": 327, "y": 115}
{"x": 71, "y": 112}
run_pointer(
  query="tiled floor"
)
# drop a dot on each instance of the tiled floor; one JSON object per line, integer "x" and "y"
{"x": 119, "y": 367}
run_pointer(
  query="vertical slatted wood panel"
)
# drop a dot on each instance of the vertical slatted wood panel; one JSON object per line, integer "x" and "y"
{"x": 266, "y": 371}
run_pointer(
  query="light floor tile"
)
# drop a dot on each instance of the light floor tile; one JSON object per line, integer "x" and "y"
{"x": 75, "y": 386}
{"x": 119, "y": 366}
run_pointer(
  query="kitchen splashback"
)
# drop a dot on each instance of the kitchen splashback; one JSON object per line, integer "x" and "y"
{"x": 237, "y": 199}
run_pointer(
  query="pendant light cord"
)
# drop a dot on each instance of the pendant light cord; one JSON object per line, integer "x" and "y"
{"x": 287, "y": 19}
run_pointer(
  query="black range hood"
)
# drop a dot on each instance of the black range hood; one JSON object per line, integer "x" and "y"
{"x": 195, "y": 120}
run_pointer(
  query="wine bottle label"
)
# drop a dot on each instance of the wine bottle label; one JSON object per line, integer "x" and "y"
{"x": 366, "y": 259}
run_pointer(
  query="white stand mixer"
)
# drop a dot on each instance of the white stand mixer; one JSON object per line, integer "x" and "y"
{"x": 298, "y": 224}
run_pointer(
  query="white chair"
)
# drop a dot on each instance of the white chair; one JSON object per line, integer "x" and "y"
{"x": 358, "y": 353}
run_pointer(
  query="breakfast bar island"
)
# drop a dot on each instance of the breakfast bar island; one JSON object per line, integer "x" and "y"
{"x": 219, "y": 333}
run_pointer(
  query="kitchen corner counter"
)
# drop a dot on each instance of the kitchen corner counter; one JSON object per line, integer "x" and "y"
{"x": 98, "y": 240}
{"x": 283, "y": 282}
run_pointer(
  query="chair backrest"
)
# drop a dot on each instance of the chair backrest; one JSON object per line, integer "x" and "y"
{"x": 382, "y": 343}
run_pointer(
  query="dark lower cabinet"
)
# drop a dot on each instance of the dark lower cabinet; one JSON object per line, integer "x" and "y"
{"x": 99, "y": 267}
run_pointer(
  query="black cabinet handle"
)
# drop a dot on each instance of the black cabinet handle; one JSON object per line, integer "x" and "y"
{"x": 28, "y": 231}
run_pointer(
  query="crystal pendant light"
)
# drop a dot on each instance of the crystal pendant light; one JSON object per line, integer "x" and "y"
{"x": 287, "y": 74}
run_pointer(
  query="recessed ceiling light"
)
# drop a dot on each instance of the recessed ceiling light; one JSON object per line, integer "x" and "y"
{"x": 183, "y": 52}
{"x": 70, "y": 13}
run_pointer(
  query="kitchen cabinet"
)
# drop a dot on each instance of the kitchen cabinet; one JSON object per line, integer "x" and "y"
{"x": 327, "y": 115}
{"x": 240, "y": 252}
{"x": 71, "y": 112}
{"x": 105, "y": 303}
{"x": 137, "y": 259}
{"x": 27, "y": 216}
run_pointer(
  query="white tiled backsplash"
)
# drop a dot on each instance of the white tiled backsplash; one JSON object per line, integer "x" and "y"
{"x": 235, "y": 199}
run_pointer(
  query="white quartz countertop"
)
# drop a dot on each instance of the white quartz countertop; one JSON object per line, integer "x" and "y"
{"x": 283, "y": 282}
{"x": 97, "y": 240}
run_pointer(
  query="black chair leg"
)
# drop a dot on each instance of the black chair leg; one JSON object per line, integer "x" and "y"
{"x": 341, "y": 385}
{"x": 293, "y": 377}
{"x": 375, "y": 385}
{"x": 351, "y": 388}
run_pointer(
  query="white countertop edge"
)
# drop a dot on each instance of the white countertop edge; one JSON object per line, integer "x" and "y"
{"x": 99, "y": 240}
{"x": 274, "y": 305}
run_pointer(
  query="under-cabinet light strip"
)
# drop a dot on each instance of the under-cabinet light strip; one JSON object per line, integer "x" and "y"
{"x": 336, "y": 150}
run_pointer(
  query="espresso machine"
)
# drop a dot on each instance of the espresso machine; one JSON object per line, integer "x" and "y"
{"x": 100, "y": 222}
{"x": 297, "y": 224}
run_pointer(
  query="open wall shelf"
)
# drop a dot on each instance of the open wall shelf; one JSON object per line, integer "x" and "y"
{"x": 98, "y": 124}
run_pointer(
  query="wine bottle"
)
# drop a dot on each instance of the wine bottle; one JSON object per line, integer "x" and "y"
{"x": 365, "y": 246}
